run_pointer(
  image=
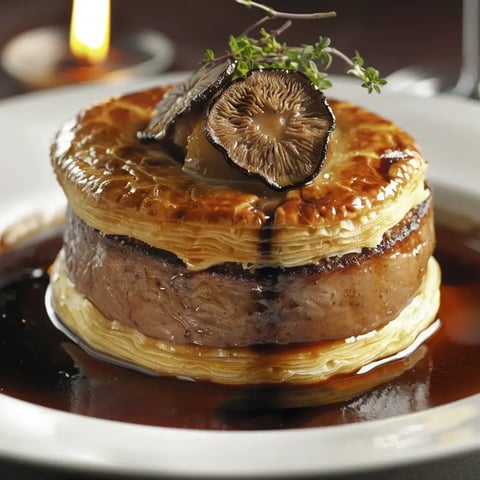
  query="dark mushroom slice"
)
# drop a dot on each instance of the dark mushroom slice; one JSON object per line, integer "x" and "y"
{"x": 272, "y": 124}
{"x": 168, "y": 121}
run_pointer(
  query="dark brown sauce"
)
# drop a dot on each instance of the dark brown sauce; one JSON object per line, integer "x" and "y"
{"x": 38, "y": 363}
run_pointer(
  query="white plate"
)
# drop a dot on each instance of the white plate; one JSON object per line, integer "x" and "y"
{"x": 448, "y": 130}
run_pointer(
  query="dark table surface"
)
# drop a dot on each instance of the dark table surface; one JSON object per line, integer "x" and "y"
{"x": 390, "y": 35}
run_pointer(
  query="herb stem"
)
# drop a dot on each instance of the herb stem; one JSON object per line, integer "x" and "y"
{"x": 255, "y": 25}
{"x": 292, "y": 16}
{"x": 341, "y": 55}
{"x": 274, "y": 33}
{"x": 281, "y": 29}
{"x": 354, "y": 69}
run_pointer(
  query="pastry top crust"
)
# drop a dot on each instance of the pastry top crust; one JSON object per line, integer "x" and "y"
{"x": 373, "y": 175}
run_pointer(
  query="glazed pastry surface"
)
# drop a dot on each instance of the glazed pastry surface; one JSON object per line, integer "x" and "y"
{"x": 373, "y": 175}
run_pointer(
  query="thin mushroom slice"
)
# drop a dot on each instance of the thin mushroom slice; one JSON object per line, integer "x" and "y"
{"x": 180, "y": 100}
{"x": 273, "y": 124}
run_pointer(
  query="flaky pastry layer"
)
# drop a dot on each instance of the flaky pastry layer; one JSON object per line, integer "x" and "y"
{"x": 296, "y": 364}
{"x": 373, "y": 175}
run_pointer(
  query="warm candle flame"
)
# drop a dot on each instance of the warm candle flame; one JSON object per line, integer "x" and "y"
{"x": 90, "y": 30}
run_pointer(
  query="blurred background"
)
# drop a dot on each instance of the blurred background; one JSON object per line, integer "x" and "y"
{"x": 390, "y": 35}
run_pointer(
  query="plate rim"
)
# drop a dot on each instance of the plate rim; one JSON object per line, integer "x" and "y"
{"x": 395, "y": 448}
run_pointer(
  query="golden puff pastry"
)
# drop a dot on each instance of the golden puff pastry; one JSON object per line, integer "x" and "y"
{"x": 373, "y": 175}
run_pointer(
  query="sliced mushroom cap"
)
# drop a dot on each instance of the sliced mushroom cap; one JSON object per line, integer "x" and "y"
{"x": 274, "y": 124}
{"x": 179, "y": 101}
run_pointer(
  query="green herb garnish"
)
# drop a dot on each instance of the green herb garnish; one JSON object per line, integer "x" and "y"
{"x": 314, "y": 60}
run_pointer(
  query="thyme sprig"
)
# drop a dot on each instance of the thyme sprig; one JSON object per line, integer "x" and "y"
{"x": 313, "y": 60}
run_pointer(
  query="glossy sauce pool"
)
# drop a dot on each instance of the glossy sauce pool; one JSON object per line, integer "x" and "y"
{"x": 40, "y": 365}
